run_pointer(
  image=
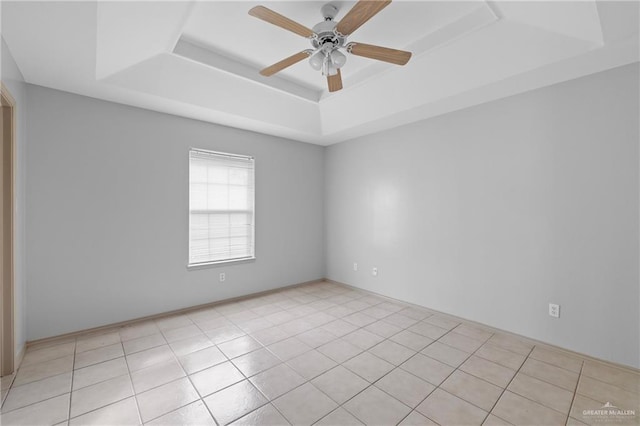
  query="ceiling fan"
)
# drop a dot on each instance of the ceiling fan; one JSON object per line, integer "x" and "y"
{"x": 329, "y": 37}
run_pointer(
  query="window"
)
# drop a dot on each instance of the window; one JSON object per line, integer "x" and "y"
{"x": 221, "y": 207}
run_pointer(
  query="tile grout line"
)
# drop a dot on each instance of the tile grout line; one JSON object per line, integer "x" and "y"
{"x": 446, "y": 378}
{"x": 103, "y": 381}
{"x": 174, "y": 353}
{"x": 452, "y": 330}
{"x": 230, "y": 360}
{"x": 507, "y": 386}
{"x": 344, "y": 288}
{"x": 37, "y": 402}
{"x": 575, "y": 392}
{"x": 241, "y": 372}
{"x": 104, "y": 406}
{"x": 398, "y": 366}
{"x": 161, "y": 332}
{"x": 339, "y": 337}
{"x": 551, "y": 384}
{"x": 188, "y": 376}
{"x": 122, "y": 375}
{"x": 526, "y": 357}
{"x": 595, "y": 379}
{"x": 73, "y": 365}
{"x": 543, "y": 380}
{"x": 402, "y": 306}
{"x": 559, "y": 366}
{"x": 4, "y": 397}
{"x": 308, "y": 381}
{"x": 201, "y": 398}
{"x": 15, "y": 375}
{"x": 135, "y": 394}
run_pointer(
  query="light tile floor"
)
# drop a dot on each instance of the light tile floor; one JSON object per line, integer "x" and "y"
{"x": 315, "y": 354}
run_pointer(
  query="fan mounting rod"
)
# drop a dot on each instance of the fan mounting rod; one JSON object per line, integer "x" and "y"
{"x": 325, "y": 30}
{"x": 329, "y": 12}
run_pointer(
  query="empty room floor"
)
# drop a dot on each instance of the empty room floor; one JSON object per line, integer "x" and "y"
{"x": 314, "y": 354}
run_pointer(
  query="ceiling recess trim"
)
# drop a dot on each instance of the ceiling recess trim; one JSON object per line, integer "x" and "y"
{"x": 440, "y": 37}
{"x": 190, "y": 50}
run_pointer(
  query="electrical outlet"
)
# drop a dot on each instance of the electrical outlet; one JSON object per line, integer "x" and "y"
{"x": 374, "y": 271}
{"x": 222, "y": 277}
{"x": 355, "y": 266}
{"x": 554, "y": 310}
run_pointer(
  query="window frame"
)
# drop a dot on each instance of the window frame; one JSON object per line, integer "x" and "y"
{"x": 210, "y": 263}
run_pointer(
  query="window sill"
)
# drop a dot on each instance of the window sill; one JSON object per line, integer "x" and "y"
{"x": 219, "y": 263}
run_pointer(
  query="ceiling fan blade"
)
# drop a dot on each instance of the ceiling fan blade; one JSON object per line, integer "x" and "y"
{"x": 335, "y": 82}
{"x": 394, "y": 56}
{"x": 287, "y": 62}
{"x": 359, "y": 14}
{"x": 275, "y": 18}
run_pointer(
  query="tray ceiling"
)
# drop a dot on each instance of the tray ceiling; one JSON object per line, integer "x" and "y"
{"x": 258, "y": 44}
{"x": 201, "y": 59}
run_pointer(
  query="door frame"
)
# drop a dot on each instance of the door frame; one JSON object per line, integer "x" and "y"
{"x": 7, "y": 262}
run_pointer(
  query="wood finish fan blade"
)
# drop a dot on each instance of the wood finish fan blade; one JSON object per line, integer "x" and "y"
{"x": 287, "y": 62}
{"x": 335, "y": 82}
{"x": 394, "y": 56}
{"x": 275, "y": 18}
{"x": 359, "y": 14}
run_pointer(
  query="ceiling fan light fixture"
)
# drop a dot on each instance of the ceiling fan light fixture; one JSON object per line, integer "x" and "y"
{"x": 317, "y": 60}
{"x": 328, "y": 68}
{"x": 338, "y": 59}
{"x": 325, "y": 66}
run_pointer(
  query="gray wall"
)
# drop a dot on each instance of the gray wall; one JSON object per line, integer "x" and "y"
{"x": 13, "y": 80}
{"x": 490, "y": 213}
{"x": 108, "y": 213}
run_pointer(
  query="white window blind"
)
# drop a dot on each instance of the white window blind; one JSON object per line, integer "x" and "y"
{"x": 221, "y": 207}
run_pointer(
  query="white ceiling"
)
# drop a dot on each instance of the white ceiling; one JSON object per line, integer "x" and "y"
{"x": 201, "y": 59}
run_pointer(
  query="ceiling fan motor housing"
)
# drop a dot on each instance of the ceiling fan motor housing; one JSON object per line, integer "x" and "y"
{"x": 325, "y": 34}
